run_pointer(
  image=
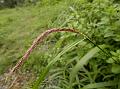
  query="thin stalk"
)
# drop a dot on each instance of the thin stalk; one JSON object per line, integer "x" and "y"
{"x": 108, "y": 54}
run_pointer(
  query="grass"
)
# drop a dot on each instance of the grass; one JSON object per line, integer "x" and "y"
{"x": 18, "y": 28}
{"x": 64, "y": 60}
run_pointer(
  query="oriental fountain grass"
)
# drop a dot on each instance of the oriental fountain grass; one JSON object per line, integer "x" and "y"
{"x": 40, "y": 39}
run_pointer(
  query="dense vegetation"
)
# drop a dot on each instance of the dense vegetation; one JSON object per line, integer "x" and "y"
{"x": 14, "y": 3}
{"x": 64, "y": 60}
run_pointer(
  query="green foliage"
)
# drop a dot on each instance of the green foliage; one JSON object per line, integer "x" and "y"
{"x": 60, "y": 62}
{"x": 10, "y": 3}
{"x": 100, "y": 19}
{"x": 14, "y": 3}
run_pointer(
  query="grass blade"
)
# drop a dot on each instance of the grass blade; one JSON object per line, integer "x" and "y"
{"x": 100, "y": 85}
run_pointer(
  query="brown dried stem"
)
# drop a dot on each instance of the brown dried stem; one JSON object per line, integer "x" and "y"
{"x": 38, "y": 40}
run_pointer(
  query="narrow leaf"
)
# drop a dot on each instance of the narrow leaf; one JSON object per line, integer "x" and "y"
{"x": 100, "y": 85}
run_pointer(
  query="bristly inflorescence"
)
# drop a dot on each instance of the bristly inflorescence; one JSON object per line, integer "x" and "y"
{"x": 37, "y": 41}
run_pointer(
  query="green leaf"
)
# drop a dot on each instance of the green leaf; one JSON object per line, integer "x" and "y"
{"x": 100, "y": 85}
